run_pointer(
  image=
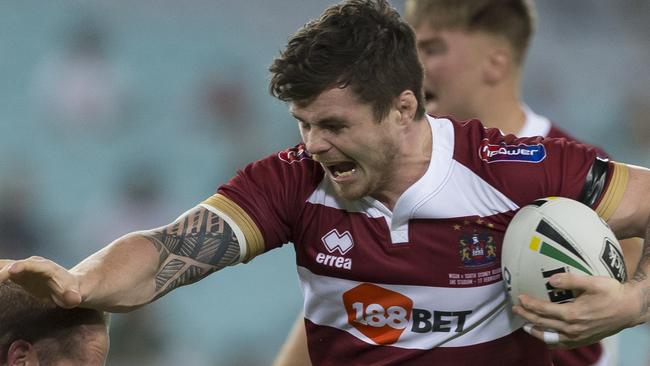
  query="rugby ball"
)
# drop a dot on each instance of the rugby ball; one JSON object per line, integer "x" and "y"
{"x": 553, "y": 235}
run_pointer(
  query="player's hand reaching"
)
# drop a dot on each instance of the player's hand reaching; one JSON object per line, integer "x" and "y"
{"x": 603, "y": 307}
{"x": 44, "y": 279}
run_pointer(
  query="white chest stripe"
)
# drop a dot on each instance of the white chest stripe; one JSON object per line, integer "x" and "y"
{"x": 432, "y": 196}
{"x": 473, "y": 196}
{"x": 411, "y": 317}
{"x": 325, "y": 195}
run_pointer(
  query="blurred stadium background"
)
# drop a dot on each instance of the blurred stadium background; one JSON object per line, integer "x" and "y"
{"x": 120, "y": 115}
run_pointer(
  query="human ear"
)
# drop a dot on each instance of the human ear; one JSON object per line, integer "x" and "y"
{"x": 21, "y": 353}
{"x": 406, "y": 105}
{"x": 497, "y": 66}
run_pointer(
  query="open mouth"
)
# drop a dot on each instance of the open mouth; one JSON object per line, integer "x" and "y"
{"x": 342, "y": 170}
{"x": 430, "y": 101}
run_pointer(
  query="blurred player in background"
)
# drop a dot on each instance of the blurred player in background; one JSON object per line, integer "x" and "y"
{"x": 472, "y": 52}
{"x": 34, "y": 333}
{"x": 379, "y": 200}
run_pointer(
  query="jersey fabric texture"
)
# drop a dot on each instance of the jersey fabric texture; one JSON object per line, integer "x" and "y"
{"x": 537, "y": 125}
{"x": 421, "y": 284}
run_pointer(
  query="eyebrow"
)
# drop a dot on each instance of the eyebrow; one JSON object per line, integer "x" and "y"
{"x": 429, "y": 41}
{"x": 325, "y": 122}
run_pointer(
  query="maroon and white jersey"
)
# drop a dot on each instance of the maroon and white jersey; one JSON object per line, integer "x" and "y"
{"x": 421, "y": 284}
{"x": 591, "y": 355}
{"x": 537, "y": 125}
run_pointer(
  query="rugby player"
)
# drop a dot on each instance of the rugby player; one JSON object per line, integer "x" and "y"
{"x": 396, "y": 217}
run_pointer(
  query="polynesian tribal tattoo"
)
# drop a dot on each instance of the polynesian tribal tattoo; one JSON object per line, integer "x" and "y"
{"x": 195, "y": 245}
{"x": 640, "y": 275}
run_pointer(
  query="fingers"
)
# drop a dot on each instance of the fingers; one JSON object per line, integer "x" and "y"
{"x": 555, "y": 324}
{"x": 571, "y": 281}
{"x": 38, "y": 265}
{"x": 44, "y": 279}
{"x": 533, "y": 309}
{"x": 549, "y": 337}
{"x": 5, "y": 264}
{"x": 542, "y": 318}
{"x": 546, "y": 321}
{"x": 593, "y": 314}
{"x": 71, "y": 299}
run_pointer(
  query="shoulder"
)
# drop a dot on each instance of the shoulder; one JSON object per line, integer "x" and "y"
{"x": 476, "y": 145}
{"x": 290, "y": 170}
{"x": 557, "y": 132}
{"x": 522, "y": 168}
{"x": 293, "y": 162}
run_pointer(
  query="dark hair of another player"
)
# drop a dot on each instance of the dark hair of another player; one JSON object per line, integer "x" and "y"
{"x": 362, "y": 44}
{"x": 24, "y": 317}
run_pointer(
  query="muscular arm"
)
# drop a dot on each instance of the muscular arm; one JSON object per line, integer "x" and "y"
{"x": 641, "y": 281}
{"x": 633, "y": 218}
{"x": 143, "y": 266}
{"x": 136, "y": 268}
{"x": 195, "y": 245}
{"x": 604, "y": 306}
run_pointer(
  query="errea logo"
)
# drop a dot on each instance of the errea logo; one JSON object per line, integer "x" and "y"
{"x": 336, "y": 242}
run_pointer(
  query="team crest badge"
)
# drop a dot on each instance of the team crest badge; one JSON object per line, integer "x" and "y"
{"x": 476, "y": 247}
{"x": 294, "y": 154}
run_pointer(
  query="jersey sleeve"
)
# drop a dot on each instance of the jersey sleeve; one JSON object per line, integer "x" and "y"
{"x": 528, "y": 168}
{"x": 604, "y": 187}
{"x": 557, "y": 132}
{"x": 264, "y": 200}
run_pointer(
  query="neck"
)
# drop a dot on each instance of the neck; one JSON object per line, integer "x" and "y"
{"x": 501, "y": 108}
{"x": 412, "y": 161}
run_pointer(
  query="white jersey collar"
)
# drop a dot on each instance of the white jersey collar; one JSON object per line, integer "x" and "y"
{"x": 535, "y": 124}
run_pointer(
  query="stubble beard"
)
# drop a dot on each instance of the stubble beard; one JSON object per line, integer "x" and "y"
{"x": 383, "y": 167}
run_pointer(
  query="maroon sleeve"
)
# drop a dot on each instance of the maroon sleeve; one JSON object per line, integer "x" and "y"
{"x": 524, "y": 169}
{"x": 273, "y": 192}
{"x": 557, "y": 132}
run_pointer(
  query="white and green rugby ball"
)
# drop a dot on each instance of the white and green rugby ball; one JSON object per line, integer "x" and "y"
{"x": 553, "y": 235}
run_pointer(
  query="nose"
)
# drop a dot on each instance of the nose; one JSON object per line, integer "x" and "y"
{"x": 315, "y": 141}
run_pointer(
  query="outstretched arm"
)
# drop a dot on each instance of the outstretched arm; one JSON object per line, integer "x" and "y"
{"x": 604, "y": 306}
{"x": 136, "y": 268}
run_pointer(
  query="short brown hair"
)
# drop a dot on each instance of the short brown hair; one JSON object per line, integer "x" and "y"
{"x": 363, "y": 44}
{"x": 24, "y": 317}
{"x": 512, "y": 19}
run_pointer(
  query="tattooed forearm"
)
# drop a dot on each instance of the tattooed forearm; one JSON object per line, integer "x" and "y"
{"x": 197, "y": 244}
{"x": 641, "y": 274}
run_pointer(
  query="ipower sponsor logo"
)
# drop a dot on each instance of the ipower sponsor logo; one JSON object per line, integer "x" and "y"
{"x": 384, "y": 315}
{"x": 336, "y": 243}
{"x": 502, "y": 152}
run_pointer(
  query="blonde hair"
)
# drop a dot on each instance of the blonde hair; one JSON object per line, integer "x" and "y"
{"x": 513, "y": 20}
